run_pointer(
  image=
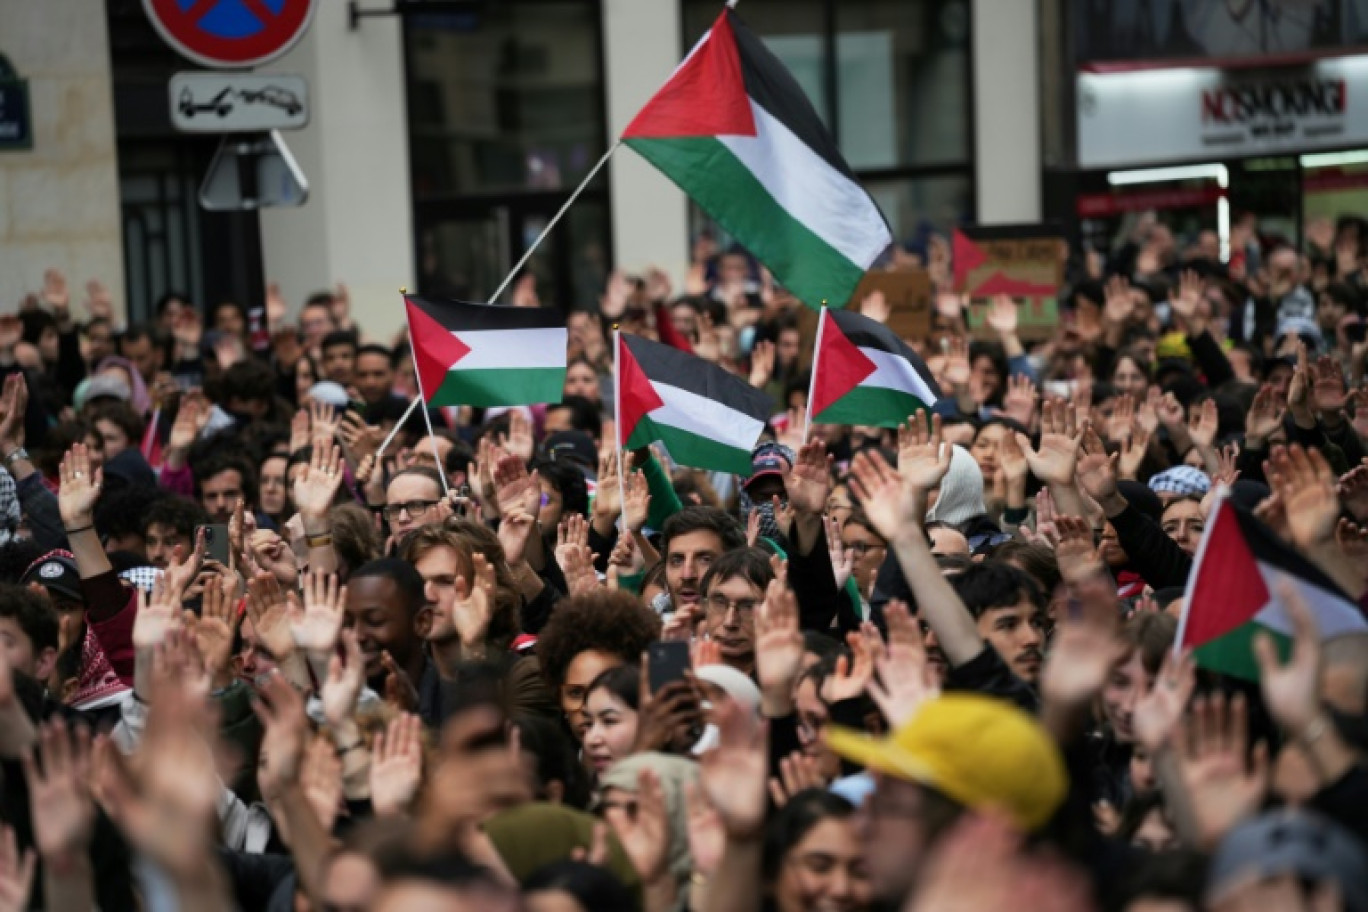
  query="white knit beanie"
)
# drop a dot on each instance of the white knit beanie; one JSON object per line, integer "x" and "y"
{"x": 961, "y": 491}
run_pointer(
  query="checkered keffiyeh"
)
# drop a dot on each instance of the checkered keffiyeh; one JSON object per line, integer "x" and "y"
{"x": 9, "y": 507}
{"x": 143, "y": 578}
{"x": 1181, "y": 480}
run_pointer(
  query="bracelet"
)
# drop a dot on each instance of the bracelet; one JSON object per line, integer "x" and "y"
{"x": 81, "y": 529}
{"x": 319, "y": 541}
{"x": 343, "y": 751}
{"x": 1314, "y": 731}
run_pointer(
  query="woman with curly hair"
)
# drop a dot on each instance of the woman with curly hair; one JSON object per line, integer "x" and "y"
{"x": 587, "y": 635}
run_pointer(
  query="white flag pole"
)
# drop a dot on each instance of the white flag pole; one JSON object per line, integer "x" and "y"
{"x": 422, "y": 400}
{"x": 812, "y": 380}
{"x": 517, "y": 267}
{"x": 617, "y": 430}
{"x": 394, "y": 431}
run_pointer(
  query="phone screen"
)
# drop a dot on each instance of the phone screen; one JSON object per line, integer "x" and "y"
{"x": 668, "y": 661}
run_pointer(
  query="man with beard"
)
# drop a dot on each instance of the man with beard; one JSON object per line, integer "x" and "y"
{"x": 733, "y": 588}
{"x": 691, "y": 541}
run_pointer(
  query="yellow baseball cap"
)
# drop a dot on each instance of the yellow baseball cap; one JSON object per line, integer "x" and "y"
{"x": 979, "y": 751}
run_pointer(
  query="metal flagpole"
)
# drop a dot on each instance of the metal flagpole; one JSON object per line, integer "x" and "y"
{"x": 593, "y": 172}
{"x": 427, "y": 419}
{"x": 617, "y": 431}
{"x": 394, "y": 431}
{"x": 812, "y": 381}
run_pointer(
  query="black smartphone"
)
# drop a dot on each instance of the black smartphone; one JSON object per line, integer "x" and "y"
{"x": 668, "y": 660}
{"x": 216, "y": 547}
{"x": 1356, "y": 332}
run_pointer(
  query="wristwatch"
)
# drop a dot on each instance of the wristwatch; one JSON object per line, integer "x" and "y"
{"x": 16, "y": 455}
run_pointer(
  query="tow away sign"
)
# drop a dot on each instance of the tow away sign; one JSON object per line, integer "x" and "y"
{"x": 238, "y": 103}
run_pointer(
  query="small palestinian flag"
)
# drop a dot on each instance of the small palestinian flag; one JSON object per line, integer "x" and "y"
{"x": 706, "y": 417}
{"x": 1231, "y": 594}
{"x": 484, "y": 354}
{"x": 734, "y": 130}
{"x": 862, "y": 373}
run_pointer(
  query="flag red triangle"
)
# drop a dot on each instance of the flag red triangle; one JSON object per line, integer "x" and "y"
{"x": 1227, "y": 590}
{"x": 841, "y": 366}
{"x": 967, "y": 257}
{"x": 435, "y": 349}
{"x": 636, "y": 396}
{"x": 706, "y": 96}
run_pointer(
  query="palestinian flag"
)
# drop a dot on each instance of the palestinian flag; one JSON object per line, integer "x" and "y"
{"x": 484, "y": 354}
{"x": 706, "y": 417}
{"x": 734, "y": 130}
{"x": 1231, "y": 594}
{"x": 862, "y": 373}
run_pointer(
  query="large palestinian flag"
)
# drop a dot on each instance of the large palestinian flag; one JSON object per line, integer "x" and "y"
{"x": 862, "y": 373}
{"x": 1231, "y": 594}
{"x": 486, "y": 354}
{"x": 706, "y": 417}
{"x": 734, "y": 130}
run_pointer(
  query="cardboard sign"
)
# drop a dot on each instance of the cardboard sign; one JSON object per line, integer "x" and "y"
{"x": 1024, "y": 262}
{"x": 908, "y": 294}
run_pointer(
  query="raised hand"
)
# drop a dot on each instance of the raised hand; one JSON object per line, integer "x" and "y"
{"x": 324, "y": 420}
{"x": 842, "y": 558}
{"x": 59, "y": 793}
{"x": 1187, "y": 299}
{"x": 1119, "y": 424}
{"x": 515, "y": 489}
{"x": 707, "y": 839}
{"x": 515, "y": 530}
{"x": 268, "y": 607}
{"x": 316, "y": 623}
{"x": 778, "y": 647}
{"x": 875, "y": 306}
{"x": 1157, "y": 713}
{"x": 762, "y": 363}
{"x": 1001, "y": 315}
{"x": 396, "y": 768}
{"x": 346, "y": 676}
{"x": 890, "y": 502}
{"x": 80, "y": 488}
{"x": 1328, "y": 388}
{"x": 16, "y": 872}
{"x": 299, "y": 430}
{"x": 1290, "y": 691}
{"x": 1019, "y": 402}
{"x": 734, "y": 775}
{"x": 903, "y": 680}
{"x": 923, "y": 456}
{"x": 157, "y": 615}
{"x": 1120, "y": 304}
{"x": 519, "y": 441}
{"x": 214, "y": 631}
{"x": 808, "y": 482}
{"x": 636, "y": 501}
{"x": 1097, "y": 469}
{"x": 852, "y": 675}
{"x": 472, "y": 605}
{"x": 316, "y": 486}
{"x": 1353, "y": 491}
{"x": 1060, "y": 434}
{"x": 1075, "y": 551}
{"x": 1133, "y": 450}
{"x": 957, "y": 370}
{"x": 1085, "y": 646}
{"x": 797, "y": 772}
{"x": 1264, "y": 417}
{"x": 281, "y": 711}
{"x": 1221, "y": 788}
{"x": 1203, "y": 423}
{"x": 1305, "y": 484}
{"x": 644, "y": 835}
{"x": 1170, "y": 412}
{"x": 13, "y": 407}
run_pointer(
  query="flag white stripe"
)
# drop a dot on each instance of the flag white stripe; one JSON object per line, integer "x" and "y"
{"x": 508, "y": 349}
{"x": 1334, "y": 616}
{"x": 828, "y": 203}
{"x": 704, "y": 417}
{"x": 893, "y": 372}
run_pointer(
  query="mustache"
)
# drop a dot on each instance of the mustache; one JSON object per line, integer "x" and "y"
{"x": 1031, "y": 653}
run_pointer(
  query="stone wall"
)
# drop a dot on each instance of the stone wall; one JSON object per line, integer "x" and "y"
{"x": 59, "y": 201}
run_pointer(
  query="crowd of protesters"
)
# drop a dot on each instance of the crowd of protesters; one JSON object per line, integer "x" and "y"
{"x": 253, "y": 658}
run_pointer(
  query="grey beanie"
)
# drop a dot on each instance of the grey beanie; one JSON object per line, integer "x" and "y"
{"x": 961, "y": 491}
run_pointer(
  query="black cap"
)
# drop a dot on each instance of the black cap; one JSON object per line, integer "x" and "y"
{"x": 56, "y": 572}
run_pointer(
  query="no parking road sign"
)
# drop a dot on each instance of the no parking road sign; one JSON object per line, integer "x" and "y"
{"x": 230, "y": 33}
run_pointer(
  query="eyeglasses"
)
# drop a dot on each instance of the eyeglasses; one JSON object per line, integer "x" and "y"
{"x": 719, "y": 605}
{"x": 415, "y": 508}
{"x": 573, "y": 697}
{"x": 861, "y": 548}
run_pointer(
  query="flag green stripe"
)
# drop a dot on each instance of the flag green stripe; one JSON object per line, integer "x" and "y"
{"x": 873, "y": 405}
{"x": 1233, "y": 654}
{"x": 693, "y": 450}
{"x": 490, "y": 387}
{"x": 715, "y": 178}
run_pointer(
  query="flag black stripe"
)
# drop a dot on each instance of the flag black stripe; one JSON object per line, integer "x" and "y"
{"x": 1267, "y": 548}
{"x": 464, "y": 315}
{"x": 666, "y": 364}
{"x": 866, "y": 333}
{"x": 770, "y": 85}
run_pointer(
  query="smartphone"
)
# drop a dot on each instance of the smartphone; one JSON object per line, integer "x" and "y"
{"x": 358, "y": 406}
{"x": 668, "y": 661}
{"x": 216, "y": 547}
